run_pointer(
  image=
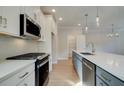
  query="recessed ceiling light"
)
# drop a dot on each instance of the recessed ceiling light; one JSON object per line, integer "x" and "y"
{"x": 60, "y": 18}
{"x": 79, "y": 24}
{"x": 53, "y": 10}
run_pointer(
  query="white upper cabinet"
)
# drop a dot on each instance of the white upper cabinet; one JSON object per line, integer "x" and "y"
{"x": 43, "y": 26}
{"x": 31, "y": 11}
{"x": 10, "y": 20}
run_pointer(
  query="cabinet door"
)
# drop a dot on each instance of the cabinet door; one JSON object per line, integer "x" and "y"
{"x": 29, "y": 81}
{"x": 32, "y": 11}
{"x": 18, "y": 76}
{"x": 29, "y": 10}
{"x": 108, "y": 78}
{"x": 99, "y": 82}
{"x": 37, "y": 14}
{"x": 43, "y": 26}
{"x": 10, "y": 22}
{"x": 79, "y": 68}
{"x": 77, "y": 65}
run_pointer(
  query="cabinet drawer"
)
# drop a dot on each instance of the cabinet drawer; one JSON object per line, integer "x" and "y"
{"x": 28, "y": 81}
{"x": 108, "y": 78}
{"x": 17, "y": 78}
{"x": 99, "y": 82}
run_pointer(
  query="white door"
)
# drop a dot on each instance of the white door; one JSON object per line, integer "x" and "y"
{"x": 71, "y": 45}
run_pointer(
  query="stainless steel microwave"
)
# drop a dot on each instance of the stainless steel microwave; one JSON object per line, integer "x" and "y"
{"x": 29, "y": 28}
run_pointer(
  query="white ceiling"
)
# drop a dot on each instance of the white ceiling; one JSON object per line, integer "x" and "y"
{"x": 72, "y": 15}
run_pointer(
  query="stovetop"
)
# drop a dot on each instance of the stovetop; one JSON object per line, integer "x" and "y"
{"x": 27, "y": 56}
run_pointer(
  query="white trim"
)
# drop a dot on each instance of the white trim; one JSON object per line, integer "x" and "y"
{"x": 62, "y": 59}
{"x": 55, "y": 62}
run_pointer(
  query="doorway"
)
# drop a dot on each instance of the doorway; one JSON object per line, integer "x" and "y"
{"x": 71, "y": 44}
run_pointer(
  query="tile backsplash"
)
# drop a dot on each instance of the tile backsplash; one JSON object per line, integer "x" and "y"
{"x": 10, "y": 46}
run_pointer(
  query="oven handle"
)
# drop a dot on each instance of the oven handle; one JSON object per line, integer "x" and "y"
{"x": 43, "y": 63}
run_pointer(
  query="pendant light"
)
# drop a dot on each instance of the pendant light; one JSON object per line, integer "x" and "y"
{"x": 97, "y": 17}
{"x": 112, "y": 34}
{"x": 86, "y": 26}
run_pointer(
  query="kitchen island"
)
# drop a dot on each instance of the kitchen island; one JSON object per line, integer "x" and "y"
{"x": 110, "y": 63}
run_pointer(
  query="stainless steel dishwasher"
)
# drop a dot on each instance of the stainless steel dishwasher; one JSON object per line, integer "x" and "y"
{"x": 88, "y": 73}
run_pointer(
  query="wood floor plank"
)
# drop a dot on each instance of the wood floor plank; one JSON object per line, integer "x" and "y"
{"x": 63, "y": 74}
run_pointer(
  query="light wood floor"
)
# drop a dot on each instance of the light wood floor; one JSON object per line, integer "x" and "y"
{"x": 63, "y": 74}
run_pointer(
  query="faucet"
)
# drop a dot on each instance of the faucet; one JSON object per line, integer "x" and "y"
{"x": 93, "y": 48}
{"x": 91, "y": 45}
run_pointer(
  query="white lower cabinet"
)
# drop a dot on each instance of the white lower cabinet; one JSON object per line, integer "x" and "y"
{"x": 29, "y": 81}
{"x": 25, "y": 75}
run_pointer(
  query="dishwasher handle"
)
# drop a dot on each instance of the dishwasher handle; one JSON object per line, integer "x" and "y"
{"x": 88, "y": 66}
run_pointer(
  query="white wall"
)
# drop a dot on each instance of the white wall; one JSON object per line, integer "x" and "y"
{"x": 102, "y": 43}
{"x": 63, "y": 33}
{"x": 46, "y": 46}
{"x": 10, "y": 46}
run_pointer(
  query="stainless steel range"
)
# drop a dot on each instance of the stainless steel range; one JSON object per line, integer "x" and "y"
{"x": 41, "y": 66}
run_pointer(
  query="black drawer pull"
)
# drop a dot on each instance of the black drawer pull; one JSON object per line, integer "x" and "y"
{"x": 24, "y": 75}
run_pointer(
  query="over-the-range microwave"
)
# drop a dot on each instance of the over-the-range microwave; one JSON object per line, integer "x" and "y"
{"x": 29, "y": 28}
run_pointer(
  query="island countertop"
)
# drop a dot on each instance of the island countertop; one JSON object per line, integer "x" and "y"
{"x": 112, "y": 63}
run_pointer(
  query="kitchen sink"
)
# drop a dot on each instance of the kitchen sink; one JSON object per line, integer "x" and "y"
{"x": 87, "y": 53}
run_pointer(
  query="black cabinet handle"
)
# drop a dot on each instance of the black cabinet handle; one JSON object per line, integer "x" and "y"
{"x": 24, "y": 75}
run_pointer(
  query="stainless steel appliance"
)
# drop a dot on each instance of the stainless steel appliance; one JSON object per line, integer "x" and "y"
{"x": 41, "y": 66}
{"x": 88, "y": 73}
{"x": 29, "y": 28}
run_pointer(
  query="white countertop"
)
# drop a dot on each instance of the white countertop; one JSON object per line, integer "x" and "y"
{"x": 8, "y": 67}
{"x": 112, "y": 63}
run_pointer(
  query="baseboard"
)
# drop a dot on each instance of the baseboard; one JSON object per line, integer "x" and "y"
{"x": 62, "y": 59}
{"x": 55, "y": 62}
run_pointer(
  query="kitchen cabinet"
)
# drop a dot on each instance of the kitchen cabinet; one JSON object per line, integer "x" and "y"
{"x": 28, "y": 81}
{"x": 100, "y": 75}
{"x": 77, "y": 62}
{"x": 108, "y": 78}
{"x": 25, "y": 75}
{"x": 30, "y": 11}
{"x": 100, "y": 82}
{"x": 10, "y": 20}
{"x": 42, "y": 23}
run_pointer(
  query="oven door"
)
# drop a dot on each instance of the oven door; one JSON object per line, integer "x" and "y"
{"x": 42, "y": 73}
